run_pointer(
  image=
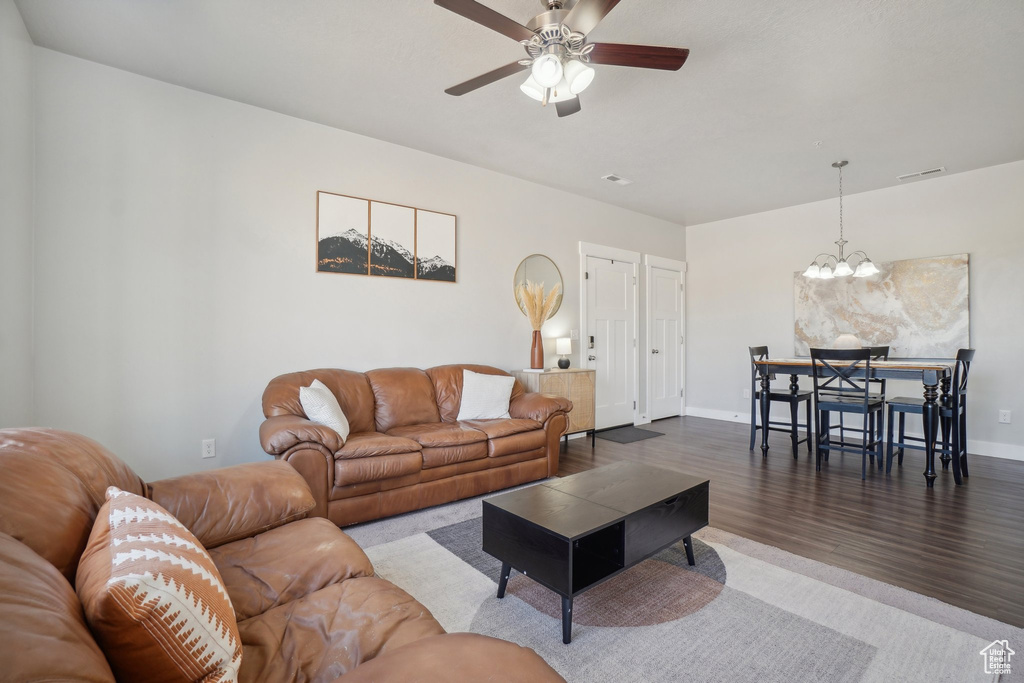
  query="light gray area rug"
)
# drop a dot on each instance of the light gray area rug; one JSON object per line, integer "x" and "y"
{"x": 745, "y": 612}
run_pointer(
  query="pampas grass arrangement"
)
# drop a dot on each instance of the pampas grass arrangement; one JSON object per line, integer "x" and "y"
{"x": 538, "y": 306}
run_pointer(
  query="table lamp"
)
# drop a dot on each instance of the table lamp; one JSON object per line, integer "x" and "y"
{"x": 563, "y": 347}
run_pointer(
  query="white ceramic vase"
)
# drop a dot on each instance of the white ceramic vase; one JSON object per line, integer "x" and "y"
{"x": 847, "y": 340}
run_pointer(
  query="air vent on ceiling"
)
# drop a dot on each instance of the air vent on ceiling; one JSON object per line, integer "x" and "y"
{"x": 921, "y": 174}
{"x": 617, "y": 179}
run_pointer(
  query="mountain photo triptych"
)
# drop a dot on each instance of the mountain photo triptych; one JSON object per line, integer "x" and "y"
{"x": 366, "y": 237}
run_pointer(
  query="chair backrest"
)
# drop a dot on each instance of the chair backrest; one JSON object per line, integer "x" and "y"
{"x": 964, "y": 357}
{"x": 756, "y": 353}
{"x": 880, "y": 353}
{"x": 834, "y": 371}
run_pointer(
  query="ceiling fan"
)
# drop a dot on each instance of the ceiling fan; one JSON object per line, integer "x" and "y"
{"x": 559, "y": 54}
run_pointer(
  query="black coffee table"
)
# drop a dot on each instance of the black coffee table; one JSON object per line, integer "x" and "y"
{"x": 573, "y": 533}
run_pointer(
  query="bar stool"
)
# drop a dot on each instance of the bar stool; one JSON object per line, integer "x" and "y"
{"x": 836, "y": 389}
{"x": 952, "y": 413}
{"x": 792, "y": 398}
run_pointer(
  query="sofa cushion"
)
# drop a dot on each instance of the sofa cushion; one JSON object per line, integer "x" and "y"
{"x": 485, "y": 397}
{"x": 53, "y": 484}
{"x": 404, "y": 396}
{"x": 352, "y": 389}
{"x": 42, "y": 627}
{"x": 326, "y": 634}
{"x": 153, "y": 597}
{"x": 437, "y": 434}
{"x": 480, "y": 658}
{"x": 359, "y": 470}
{"x": 516, "y": 443}
{"x": 449, "y": 455}
{"x": 368, "y": 444}
{"x": 495, "y": 429}
{"x": 447, "y": 380}
{"x": 261, "y": 572}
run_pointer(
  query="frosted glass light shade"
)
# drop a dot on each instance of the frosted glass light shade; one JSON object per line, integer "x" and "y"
{"x": 563, "y": 346}
{"x": 843, "y": 269}
{"x": 813, "y": 271}
{"x": 578, "y": 75}
{"x": 560, "y": 92}
{"x": 533, "y": 89}
{"x": 866, "y": 269}
{"x": 826, "y": 272}
{"x": 547, "y": 69}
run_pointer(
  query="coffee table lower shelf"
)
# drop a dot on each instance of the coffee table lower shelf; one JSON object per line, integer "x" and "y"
{"x": 569, "y": 544}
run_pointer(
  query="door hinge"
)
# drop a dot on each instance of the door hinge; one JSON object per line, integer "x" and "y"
{"x": 682, "y": 339}
{"x": 634, "y": 279}
{"x": 586, "y": 275}
{"x": 634, "y": 405}
{"x": 680, "y": 393}
{"x": 634, "y": 342}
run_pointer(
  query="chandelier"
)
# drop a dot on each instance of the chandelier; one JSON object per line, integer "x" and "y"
{"x": 832, "y": 266}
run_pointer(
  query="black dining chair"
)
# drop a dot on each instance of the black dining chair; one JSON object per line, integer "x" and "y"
{"x": 952, "y": 414}
{"x": 791, "y": 398}
{"x": 838, "y": 390}
{"x": 877, "y": 353}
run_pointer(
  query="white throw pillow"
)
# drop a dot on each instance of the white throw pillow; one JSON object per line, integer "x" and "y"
{"x": 485, "y": 397}
{"x": 320, "y": 406}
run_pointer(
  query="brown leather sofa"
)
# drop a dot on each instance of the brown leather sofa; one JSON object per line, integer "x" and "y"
{"x": 306, "y": 601}
{"x": 406, "y": 449}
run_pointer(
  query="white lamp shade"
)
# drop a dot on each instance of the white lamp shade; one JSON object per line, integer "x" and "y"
{"x": 813, "y": 271}
{"x": 843, "y": 269}
{"x": 547, "y": 69}
{"x": 563, "y": 346}
{"x": 866, "y": 269}
{"x": 578, "y": 75}
{"x": 532, "y": 88}
{"x": 826, "y": 272}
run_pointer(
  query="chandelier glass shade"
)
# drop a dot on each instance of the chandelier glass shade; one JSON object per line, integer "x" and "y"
{"x": 828, "y": 266}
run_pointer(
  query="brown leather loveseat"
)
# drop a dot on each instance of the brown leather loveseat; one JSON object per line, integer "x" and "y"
{"x": 407, "y": 450}
{"x": 307, "y": 604}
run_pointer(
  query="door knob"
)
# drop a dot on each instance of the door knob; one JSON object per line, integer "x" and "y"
{"x": 655, "y": 351}
{"x": 591, "y": 357}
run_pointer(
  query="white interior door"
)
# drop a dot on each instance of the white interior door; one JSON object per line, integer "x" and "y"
{"x": 612, "y": 329}
{"x": 665, "y": 338}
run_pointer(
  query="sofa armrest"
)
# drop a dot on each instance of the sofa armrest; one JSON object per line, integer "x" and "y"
{"x": 281, "y": 432}
{"x": 539, "y": 407}
{"x": 220, "y": 506}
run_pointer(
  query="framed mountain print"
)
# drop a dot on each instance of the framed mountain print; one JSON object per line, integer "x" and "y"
{"x": 366, "y": 237}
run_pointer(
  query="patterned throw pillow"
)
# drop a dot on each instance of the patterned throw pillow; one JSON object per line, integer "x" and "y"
{"x": 154, "y": 598}
{"x": 321, "y": 406}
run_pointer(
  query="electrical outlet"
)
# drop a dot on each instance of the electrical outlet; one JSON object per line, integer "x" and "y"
{"x": 1004, "y": 417}
{"x": 746, "y": 393}
{"x": 209, "y": 448}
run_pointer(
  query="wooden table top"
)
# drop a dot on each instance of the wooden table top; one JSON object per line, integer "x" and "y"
{"x": 939, "y": 365}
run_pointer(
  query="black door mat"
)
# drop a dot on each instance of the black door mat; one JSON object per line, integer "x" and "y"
{"x": 627, "y": 434}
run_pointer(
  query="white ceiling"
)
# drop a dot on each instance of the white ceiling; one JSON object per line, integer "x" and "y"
{"x": 894, "y": 86}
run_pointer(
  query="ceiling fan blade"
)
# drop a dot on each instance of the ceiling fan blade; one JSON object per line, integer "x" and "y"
{"x": 485, "y": 16}
{"x": 485, "y": 79}
{"x": 643, "y": 56}
{"x": 567, "y": 107}
{"x": 587, "y": 14}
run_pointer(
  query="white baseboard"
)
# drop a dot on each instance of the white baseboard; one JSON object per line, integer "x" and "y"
{"x": 1007, "y": 451}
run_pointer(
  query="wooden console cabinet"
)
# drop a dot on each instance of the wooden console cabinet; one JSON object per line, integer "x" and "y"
{"x": 575, "y": 384}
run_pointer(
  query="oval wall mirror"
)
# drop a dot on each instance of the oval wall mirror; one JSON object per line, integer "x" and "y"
{"x": 538, "y": 268}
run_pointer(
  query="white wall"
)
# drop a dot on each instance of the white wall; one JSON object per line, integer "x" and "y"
{"x": 15, "y": 218}
{"x": 175, "y": 269}
{"x": 740, "y": 286}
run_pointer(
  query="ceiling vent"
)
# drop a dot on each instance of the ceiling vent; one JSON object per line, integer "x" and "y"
{"x": 921, "y": 174}
{"x": 617, "y": 179}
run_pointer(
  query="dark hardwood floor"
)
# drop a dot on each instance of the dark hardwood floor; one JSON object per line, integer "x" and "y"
{"x": 963, "y": 545}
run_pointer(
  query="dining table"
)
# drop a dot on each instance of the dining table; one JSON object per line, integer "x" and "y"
{"x": 934, "y": 375}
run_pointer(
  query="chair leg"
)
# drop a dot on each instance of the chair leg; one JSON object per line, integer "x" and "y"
{"x": 869, "y": 428}
{"x": 888, "y": 448}
{"x": 817, "y": 440}
{"x": 794, "y": 411}
{"x": 753, "y": 420}
{"x": 808, "y": 425}
{"x": 866, "y": 428}
{"x": 944, "y": 424}
{"x": 961, "y": 442}
{"x": 902, "y": 436}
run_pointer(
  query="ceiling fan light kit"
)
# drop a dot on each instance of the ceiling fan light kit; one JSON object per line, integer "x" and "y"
{"x": 832, "y": 266}
{"x": 559, "y": 54}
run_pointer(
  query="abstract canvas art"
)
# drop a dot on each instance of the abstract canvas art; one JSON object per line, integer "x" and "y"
{"x": 917, "y": 307}
{"x": 367, "y": 237}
